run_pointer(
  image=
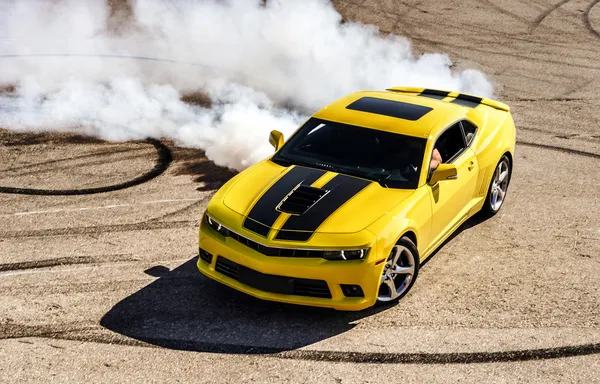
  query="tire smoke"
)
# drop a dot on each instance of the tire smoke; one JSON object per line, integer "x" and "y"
{"x": 263, "y": 66}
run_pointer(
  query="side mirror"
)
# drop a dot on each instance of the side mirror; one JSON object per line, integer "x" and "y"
{"x": 276, "y": 139}
{"x": 443, "y": 172}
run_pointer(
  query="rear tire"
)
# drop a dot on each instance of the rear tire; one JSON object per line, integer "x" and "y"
{"x": 399, "y": 273}
{"x": 498, "y": 188}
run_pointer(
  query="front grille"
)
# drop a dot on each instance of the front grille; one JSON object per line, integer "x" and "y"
{"x": 277, "y": 252}
{"x": 314, "y": 288}
{"x": 301, "y": 200}
{"x": 272, "y": 283}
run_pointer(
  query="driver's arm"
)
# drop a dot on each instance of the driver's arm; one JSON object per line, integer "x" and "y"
{"x": 436, "y": 160}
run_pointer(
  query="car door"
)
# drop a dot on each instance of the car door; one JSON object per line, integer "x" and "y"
{"x": 451, "y": 199}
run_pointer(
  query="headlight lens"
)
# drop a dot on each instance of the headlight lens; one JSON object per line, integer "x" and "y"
{"x": 217, "y": 226}
{"x": 354, "y": 254}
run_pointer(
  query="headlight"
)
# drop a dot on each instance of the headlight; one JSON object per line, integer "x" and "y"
{"x": 216, "y": 226}
{"x": 354, "y": 254}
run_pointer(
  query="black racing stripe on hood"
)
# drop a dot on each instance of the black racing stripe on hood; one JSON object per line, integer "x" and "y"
{"x": 293, "y": 235}
{"x": 263, "y": 214}
{"x": 341, "y": 189}
{"x": 256, "y": 227}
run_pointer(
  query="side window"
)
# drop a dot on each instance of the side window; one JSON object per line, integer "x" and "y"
{"x": 470, "y": 130}
{"x": 450, "y": 143}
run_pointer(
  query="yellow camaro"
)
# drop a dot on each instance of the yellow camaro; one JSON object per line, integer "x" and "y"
{"x": 345, "y": 211}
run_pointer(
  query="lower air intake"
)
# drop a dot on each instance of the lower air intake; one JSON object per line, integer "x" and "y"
{"x": 226, "y": 267}
{"x": 272, "y": 283}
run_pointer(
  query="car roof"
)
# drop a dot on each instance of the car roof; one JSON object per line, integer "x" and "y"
{"x": 407, "y": 113}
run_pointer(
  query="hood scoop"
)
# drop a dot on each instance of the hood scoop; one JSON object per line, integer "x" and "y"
{"x": 301, "y": 199}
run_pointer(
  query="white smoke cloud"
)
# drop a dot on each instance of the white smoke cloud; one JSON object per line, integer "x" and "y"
{"x": 250, "y": 59}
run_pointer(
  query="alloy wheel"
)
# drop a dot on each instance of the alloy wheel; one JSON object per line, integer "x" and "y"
{"x": 499, "y": 184}
{"x": 397, "y": 274}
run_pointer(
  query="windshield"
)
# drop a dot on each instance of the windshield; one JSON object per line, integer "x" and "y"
{"x": 391, "y": 159}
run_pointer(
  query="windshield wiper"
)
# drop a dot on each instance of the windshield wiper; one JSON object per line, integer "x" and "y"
{"x": 374, "y": 177}
{"x": 381, "y": 178}
{"x": 281, "y": 160}
{"x": 286, "y": 161}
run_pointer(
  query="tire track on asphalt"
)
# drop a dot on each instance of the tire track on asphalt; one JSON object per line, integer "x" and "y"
{"x": 15, "y": 331}
{"x": 452, "y": 26}
{"x": 199, "y": 203}
{"x": 50, "y": 162}
{"x": 129, "y": 156}
{"x": 444, "y": 358}
{"x": 517, "y": 56}
{"x": 163, "y": 161}
{"x": 514, "y": 16}
{"x": 560, "y": 149}
{"x": 26, "y": 291}
{"x": 94, "y": 208}
{"x": 97, "y": 229}
{"x": 455, "y": 49}
{"x": 586, "y": 19}
{"x": 540, "y": 19}
{"x": 18, "y": 331}
{"x": 563, "y": 135}
{"x": 550, "y": 99}
{"x": 512, "y": 37}
{"x": 62, "y": 261}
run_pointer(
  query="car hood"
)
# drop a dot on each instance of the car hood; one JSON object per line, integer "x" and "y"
{"x": 296, "y": 201}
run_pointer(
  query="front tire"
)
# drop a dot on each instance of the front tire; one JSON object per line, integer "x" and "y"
{"x": 399, "y": 273}
{"x": 498, "y": 188}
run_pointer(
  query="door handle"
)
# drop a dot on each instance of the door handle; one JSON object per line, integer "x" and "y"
{"x": 471, "y": 165}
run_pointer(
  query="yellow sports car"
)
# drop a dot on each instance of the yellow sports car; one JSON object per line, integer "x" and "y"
{"x": 345, "y": 211}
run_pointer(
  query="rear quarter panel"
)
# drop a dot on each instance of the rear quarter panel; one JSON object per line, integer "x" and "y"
{"x": 495, "y": 136}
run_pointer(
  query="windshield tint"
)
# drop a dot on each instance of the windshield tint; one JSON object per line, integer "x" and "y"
{"x": 392, "y": 159}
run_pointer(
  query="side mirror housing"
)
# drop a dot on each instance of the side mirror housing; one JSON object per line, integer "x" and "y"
{"x": 276, "y": 139}
{"x": 443, "y": 172}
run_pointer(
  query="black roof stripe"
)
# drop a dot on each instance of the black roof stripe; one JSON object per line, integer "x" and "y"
{"x": 390, "y": 108}
{"x": 460, "y": 99}
{"x": 434, "y": 94}
{"x": 467, "y": 101}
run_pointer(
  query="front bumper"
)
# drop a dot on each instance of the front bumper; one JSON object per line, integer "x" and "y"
{"x": 359, "y": 272}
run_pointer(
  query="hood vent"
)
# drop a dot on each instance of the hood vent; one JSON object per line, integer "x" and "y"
{"x": 301, "y": 199}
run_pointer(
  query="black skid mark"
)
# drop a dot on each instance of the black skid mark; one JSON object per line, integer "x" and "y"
{"x": 162, "y": 163}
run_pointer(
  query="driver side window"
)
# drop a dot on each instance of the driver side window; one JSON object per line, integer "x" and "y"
{"x": 451, "y": 143}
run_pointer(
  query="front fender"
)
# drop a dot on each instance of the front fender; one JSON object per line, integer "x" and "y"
{"x": 413, "y": 215}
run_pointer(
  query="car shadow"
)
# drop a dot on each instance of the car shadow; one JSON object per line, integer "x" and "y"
{"x": 184, "y": 310}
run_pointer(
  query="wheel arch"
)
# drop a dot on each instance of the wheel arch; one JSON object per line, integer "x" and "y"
{"x": 411, "y": 235}
{"x": 509, "y": 154}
